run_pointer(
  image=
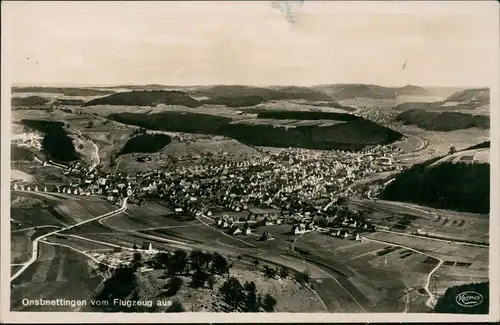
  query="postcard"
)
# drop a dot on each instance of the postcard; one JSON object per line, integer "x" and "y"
{"x": 250, "y": 161}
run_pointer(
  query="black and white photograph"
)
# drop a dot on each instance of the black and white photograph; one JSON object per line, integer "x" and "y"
{"x": 268, "y": 157}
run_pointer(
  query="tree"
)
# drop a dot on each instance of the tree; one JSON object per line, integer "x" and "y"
{"x": 219, "y": 263}
{"x": 134, "y": 247}
{"x": 137, "y": 260}
{"x": 232, "y": 293}
{"x": 211, "y": 282}
{"x": 198, "y": 278}
{"x": 284, "y": 272}
{"x": 452, "y": 150}
{"x": 251, "y": 303}
{"x": 269, "y": 303}
{"x": 176, "y": 307}
{"x": 173, "y": 286}
{"x": 269, "y": 272}
{"x": 178, "y": 262}
{"x": 302, "y": 277}
{"x": 197, "y": 259}
{"x": 161, "y": 259}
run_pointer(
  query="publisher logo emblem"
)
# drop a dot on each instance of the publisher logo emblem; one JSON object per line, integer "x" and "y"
{"x": 469, "y": 299}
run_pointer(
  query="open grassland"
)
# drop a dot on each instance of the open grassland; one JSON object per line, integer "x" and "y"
{"x": 436, "y": 248}
{"x": 381, "y": 272}
{"x": 20, "y": 247}
{"x": 60, "y": 209}
{"x": 201, "y": 234}
{"x": 409, "y": 218}
{"x": 440, "y": 142}
{"x": 58, "y": 273}
{"x": 287, "y": 122}
{"x": 151, "y": 215}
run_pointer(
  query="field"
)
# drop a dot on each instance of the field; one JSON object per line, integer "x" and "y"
{"x": 61, "y": 209}
{"x": 286, "y": 122}
{"x": 151, "y": 215}
{"x": 58, "y": 273}
{"x": 380, "y": 272}
{"x": 203, "y": 234}
{"x": 440, "y": 142}
{"x": 411, "y": 217}
{"x": 478, "y": 256}
{"x": 470, "y": 156}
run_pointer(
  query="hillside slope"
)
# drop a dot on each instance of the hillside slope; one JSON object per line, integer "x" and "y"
{"x": 443, "y": 121}
{"x": 351, "y": 134}
{"x": 224, "y": 92}
{"x": 447, "y": 185}
{"x": 349, "y": 91}
{"x": 146, "y": 98}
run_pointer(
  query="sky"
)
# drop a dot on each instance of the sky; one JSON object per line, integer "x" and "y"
{"x": 206, "y": 43}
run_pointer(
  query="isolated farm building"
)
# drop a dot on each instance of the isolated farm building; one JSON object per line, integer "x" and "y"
{"x": 178, "y": 210}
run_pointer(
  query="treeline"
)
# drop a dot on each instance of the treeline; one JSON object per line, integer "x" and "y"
{"x": 438, "y": 106}
{"x": 146, "y": 143}
{"x": 305, "y": 115}
{"x": 482, "y": 145}
{"x": 174, "y": 121}
{"x": 28, "y": 101}
{"x": 56, "y": 143}
{"x": 203, "y": 270}
{"x": 455, "y": 186}
{"x": 353, "y": 135}
{"x": 146, "y": 98}
{"x": 443, "y": 121}
{"x": 449, "y": 302}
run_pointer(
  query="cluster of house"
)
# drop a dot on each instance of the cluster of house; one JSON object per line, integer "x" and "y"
{"x": 28, "y": 139}
{"x": 291, "y": 182}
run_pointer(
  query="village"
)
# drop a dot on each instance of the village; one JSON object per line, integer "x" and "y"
{"x": 300, "y": 187}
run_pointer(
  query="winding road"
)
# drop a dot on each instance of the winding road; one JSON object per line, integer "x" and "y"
{"x": 35, "y": 245}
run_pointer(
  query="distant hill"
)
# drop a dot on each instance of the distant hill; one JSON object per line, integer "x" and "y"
{"x": 443, "y": 121}
{"x": 456, "y": 186}
{"x": 467, "y": 99}
{"x": 28, "y": 101}
{"x": 67, "y": 91}
{"x": 276, "y": 93}
{"x": 146, "y": 98}
{"x": 354, "y": 134}
{"x": 350, "y": 91}
{"x": 410, "y": 90}
{"x": 478, "y": 95}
